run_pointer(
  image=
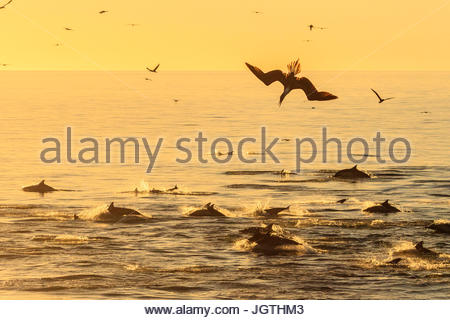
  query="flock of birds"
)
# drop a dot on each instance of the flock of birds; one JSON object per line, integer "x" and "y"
{"x": 289, "y": 80}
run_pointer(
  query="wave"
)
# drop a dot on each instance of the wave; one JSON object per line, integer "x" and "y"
{"x": 256, "y": 172}
{"x": 268, "y": 187}
{"x": 67, "y": 238}
{"x": 360, "y": 223}
{"x": 183, "y": 269}
{"x": 409, "y": 259}
{"x": 74, "y": 277}
{"x": 145, "y": 188}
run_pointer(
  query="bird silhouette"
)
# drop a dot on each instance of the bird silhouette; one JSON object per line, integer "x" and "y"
{"x": 103, "y": 11}
{"x": 291, "y": 82}
{"x": 132, "y": 24}
{"x": 148, "y": 79}
{"x": 68, "y": 29}
{"x": 380, "y": 98}
{"x": 311, "y": 27}
{"x": 153, "y": 70}
{"x": 4, "y": 6}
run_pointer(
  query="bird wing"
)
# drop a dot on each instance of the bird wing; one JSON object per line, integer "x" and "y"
{"x": 3, "y": 6}
{"x": 306, "y": 85}
{"x": 148, "y": 69}
{"x": 268, "y": 77}
{"x": 310, "y": 90}
{"x": 376, "y": 94}
{"x": 388, "y": 98}
{"x": 156, "y": 67}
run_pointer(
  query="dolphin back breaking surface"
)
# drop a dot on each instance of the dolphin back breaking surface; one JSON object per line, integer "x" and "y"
{"x": 111, "y": 213}
{"x": 352, "y": 173}
{"x": 41, "y": 187}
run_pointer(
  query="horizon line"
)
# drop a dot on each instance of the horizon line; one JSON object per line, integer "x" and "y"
{"x": 216, "y": 70}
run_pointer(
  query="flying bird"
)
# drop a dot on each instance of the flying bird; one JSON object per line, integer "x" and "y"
{"x": 291, "y": 82}
{"x": 148, "y": 79}
{"x": 103, "y": 11}
{"x": 4, "y": 6}
{"x": 257, "y": 12}
{"x": 132, "y": 24}
{"x": 380, "y": 98}
{"x": 4, "y": 64}
{"x": 176, "y": 100}
{"x": 153, "y": 70}
{"x": 311, "y": 27}
{"x": 68, "y": 29}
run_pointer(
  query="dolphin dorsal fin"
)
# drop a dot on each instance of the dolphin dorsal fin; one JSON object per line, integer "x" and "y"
{"x": 395, "y": 261}
{"x": 111, "y": 206}
{"x": 385, "y": 203}
{"x": 42, "y": 182}
{"x": 419, "y": 245}
{"x": 355, "y": 167}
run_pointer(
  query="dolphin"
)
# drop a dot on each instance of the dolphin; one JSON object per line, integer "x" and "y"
{"x": 269, "y": 242}
{"x": 258, "y": 230}
{"x": 352, "y": 173}
{"x": 173, "y": 189}
{"x": 419, "y": 247}
{"x": 384, "y": 207}
{"x": 41, "y": 187}
{"x": 419, "y": 251}
{"x": 443, "y": 227}
{"x": 272, "y": 240}
{"x": 395, "y": 261}
{"x": 207, "y": 210}
{"x": 114, "y": 214}
{"x": 273, "y": 212}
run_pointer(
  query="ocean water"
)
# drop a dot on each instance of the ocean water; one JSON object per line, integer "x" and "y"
{"x": 46, "y": 254}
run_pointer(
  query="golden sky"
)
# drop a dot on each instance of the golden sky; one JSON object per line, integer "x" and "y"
{"x": 222, "y": 35}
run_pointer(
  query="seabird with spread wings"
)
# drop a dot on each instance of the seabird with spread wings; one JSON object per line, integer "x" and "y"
{"x": 290, "y": 82}
{"x": 153, "y": 70}
{"x": 380, "y": 98}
